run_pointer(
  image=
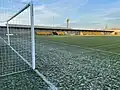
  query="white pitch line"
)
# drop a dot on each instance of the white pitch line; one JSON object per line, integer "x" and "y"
{"x": 17, "y": 53}
{"x": 52, "y": 87}
{"x": 108, "y": 45}
{"x": 48, "y": 82}
{"x": 14, "y": 73}
{"x": 88, "y": 49}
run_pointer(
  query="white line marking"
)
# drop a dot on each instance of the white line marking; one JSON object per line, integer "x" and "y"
{"x": 52, "y": 87}
{"x": 108, "y": 45}
{"x": 10, "y": 34}
{"x": 14, "y": 73}
{"x": 48, "y": 82}
{"x": 88, "y": 49}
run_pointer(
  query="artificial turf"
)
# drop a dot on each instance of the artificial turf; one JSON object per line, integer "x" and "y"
{"x": 108, "y": 43}
{"x": 27, "y": 80}
{"x": 71, "y": 64}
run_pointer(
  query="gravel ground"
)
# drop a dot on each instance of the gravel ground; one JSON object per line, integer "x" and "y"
{"x": 67, "y": 67}
{"x": 75, "y": 68}
{"x": 10, "y": 63}
{"x": 28, "y": 80}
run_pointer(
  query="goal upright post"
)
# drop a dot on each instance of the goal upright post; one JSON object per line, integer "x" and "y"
{"x": 31, "y": 27}
{"x": 32, "y": 34}
{"x": 8, "y": 33}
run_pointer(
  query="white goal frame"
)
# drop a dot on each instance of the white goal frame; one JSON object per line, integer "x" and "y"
{"x": 32, "y": 31}
{"x": 7, "y": 41}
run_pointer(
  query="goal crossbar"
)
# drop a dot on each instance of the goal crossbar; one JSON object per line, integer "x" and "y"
{"x": 19, "y": 12}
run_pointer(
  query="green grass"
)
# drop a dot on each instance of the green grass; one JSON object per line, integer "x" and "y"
{"x": 107, "y": 43}
{"x": 71, "y": 64}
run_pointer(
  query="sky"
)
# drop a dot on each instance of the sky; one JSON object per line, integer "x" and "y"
{"x": 82, "y": 13}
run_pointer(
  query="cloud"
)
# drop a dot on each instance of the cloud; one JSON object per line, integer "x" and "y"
{"x": 24, "y": 1}
{"x": 100, "y": 16}
{"x": 45, "y": 12}
{"x": 45, "y": 16}
{"x": 42, "y": 7}
{"x": 82, "y": 13}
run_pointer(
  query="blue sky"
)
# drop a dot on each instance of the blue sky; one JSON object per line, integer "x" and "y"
{"x": 82, "y": 13}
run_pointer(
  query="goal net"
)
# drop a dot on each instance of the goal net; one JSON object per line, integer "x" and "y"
{"x": 17, "y": 49}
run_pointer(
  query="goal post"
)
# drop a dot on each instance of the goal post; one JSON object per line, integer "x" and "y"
{"x": 32, "y": 29}
{"x": 32, "y": 34}
{"x": 8, "y": 33}
{"x": 17, "y": 37}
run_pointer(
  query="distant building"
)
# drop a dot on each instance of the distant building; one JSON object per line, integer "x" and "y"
{"x": 47, "y": 30}
{"x": 116, "y": 31}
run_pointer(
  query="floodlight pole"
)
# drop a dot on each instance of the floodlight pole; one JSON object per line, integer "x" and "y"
{"x": 8, "y": 33}
{"x": 32, "y": 34}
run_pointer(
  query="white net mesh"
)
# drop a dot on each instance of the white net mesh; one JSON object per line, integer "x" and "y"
{"x": 15, "y": 39}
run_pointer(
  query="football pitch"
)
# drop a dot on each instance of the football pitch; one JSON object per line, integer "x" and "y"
{"x": 106, "y": 43}
{"x": 80, "y": 62}
{"x": 71, "y": 63}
